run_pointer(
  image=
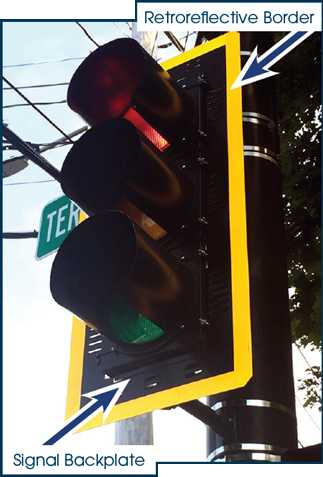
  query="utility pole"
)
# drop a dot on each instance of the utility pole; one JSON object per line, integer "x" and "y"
{"x": 264, "y": 410}
{"x": 138, "y": 430}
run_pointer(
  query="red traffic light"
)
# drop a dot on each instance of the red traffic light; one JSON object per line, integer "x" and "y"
{"x": 120, "y": 77}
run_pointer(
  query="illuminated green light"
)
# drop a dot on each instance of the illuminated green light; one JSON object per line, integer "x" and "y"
{"x": 129, "y": 326}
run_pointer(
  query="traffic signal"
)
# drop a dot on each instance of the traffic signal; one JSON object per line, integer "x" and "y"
{"x": 159, "y": 269}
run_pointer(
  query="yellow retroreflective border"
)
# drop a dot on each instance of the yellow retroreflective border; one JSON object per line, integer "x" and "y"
{"x": 242, "y": 371}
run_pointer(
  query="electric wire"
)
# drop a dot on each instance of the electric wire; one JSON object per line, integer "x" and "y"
{"x": 44, "y": 62}
{"x": 186, "y": 38}
{"x": 87, "y": 34}
{"x": 300, "y": 402}
{"x": 29, "y": 182}
{"x": 155, "y": 46}
{"x": 37, "y": 109}
{"x": 117, "y": 26}
{"x": 175, "y": 41}
{"x": 298, "y": 399}
{"x": 188, "y": 34}
{"x": 5, "y": 143}
{"x": 29, "y": 153}
{"x": 167, "y": 45}
{"x": 304, "y": 357}
{"x": 7, "y": 88}
{"x": 78, "y": 58}
{"x": 45, "y": 103}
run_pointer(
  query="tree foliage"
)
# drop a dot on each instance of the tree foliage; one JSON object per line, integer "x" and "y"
{"x": 299, "y": 118}
{"x": 313, "y": 387}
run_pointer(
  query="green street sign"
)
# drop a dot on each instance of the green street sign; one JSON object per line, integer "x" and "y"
{"x": 58, "y": 218}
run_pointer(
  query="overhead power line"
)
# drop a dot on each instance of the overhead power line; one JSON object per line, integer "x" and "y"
{"x": 28, "y": 182}
{"x": 34, "y": 104}
{"x": 304, "y": 357}
{"x": 15, "y": 164}
{"x": 48, "y": 145}
{"x": 120, "y": 29}
{"x": 175, "y": 41}
{"x": 62, "y": 140}
{"x": 43, "y": 62}
{"x": 309, "y": 415}
{"x": 87, "y": 34}
{"x": 29, "y": 153}
{"x": 37, "y": 109}
{"x": 6, "y": 146}
{"x": 6, "y": 88}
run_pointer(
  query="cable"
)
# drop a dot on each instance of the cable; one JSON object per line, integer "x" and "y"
{"x": 188, "y": 34}
{"x": 29, "y": 153}
{"x": 125, "y": 34}
{"x": 43, "y": 62}
{"x": 31, "y": 182}
{"x": 305, "y": 359}
{"x": 36, "y": 86}
{"x": 87, "y": 34}
{"x": 167, "y": 45}
{"x": 34, "y": 104}
{"x": 186, "y": 38}
{"x": 20, "y": 162}
{"x": 176, "y": 42}
{"x": 7, "y": 146}
{"x": 298, "y": 399}
{"x": 37, "y": 109}
{"x": 155, "y": 44}
{"x": 36, "y": 146}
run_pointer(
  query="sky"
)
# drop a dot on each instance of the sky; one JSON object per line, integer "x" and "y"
{"x": 36, "y": 330}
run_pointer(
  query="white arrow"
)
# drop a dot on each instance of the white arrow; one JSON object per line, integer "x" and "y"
{"x": 256, "y": 68}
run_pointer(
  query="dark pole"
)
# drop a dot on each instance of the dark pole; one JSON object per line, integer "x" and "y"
{"x": 263, "y": 410}
{"x": 215, "y": 421}
{"x": 30, "y": 153}
{"x": 19, "y": 235}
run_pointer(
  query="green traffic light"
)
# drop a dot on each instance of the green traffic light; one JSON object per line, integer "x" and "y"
{"x": 129, "y": 326}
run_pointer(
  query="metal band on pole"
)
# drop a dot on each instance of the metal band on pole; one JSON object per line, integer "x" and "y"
{"x": 252, "y": 402}
{"x": 245, "y": 452}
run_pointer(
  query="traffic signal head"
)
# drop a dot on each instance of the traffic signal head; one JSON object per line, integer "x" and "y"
{"x": 120, "y": 79}
{"x": 159, "y": 269}
{"x": 110, "y": 259}
{"x": 114, "y": 164}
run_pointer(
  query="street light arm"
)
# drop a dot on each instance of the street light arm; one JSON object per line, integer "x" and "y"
{"x": 20, "y": 235}
{"x": 29, "y": 153}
